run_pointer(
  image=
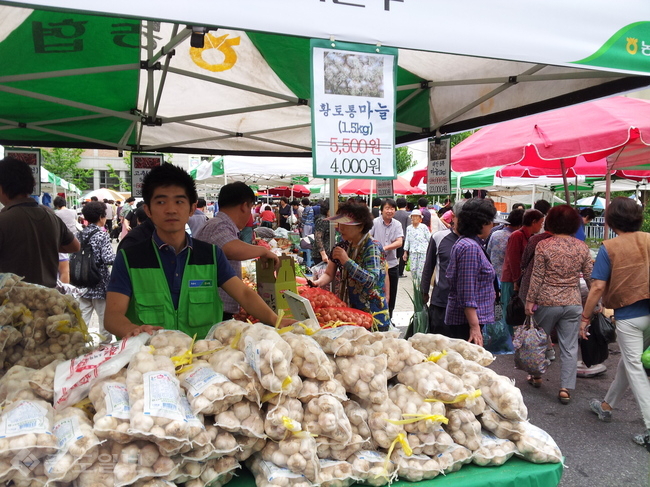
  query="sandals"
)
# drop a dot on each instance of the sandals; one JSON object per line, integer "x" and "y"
{"x": 564, "y": 396}
{"x": 536, "y": 382}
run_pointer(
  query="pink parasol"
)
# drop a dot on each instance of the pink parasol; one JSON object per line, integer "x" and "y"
{"x": 369, "y": 186}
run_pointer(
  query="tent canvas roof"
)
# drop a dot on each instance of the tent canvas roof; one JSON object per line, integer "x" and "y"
{"x": 248, "y": 92}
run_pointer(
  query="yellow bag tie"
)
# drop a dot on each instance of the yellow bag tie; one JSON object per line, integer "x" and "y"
{"x": 401, "y": 439}
{"x": 235, "y": 340}
{"x": 87, "y": 407}
{"x": 291, "y": 424}
{"x": 375, "y": 321}
{"x": 271, "y": 395}
{"x": 308, "y": 331}
{"x": 434, "y": 357}
{"x": 279, "y": 320}
{"x": 414, "y": 418}
{"x": 80, "y": 321}
{"x": 459, "y": 398}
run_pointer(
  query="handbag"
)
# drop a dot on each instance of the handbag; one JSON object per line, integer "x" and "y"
{"x": 595, "y": 349}
{"x": 530, "y": 344}
{"x": 84, "y": 271}
{"x": 515, "y": 310}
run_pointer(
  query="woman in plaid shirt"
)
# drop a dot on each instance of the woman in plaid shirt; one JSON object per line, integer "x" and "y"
{"x": 470, "y": 274}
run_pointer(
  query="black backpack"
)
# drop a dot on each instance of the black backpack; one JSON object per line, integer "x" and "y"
{"x": 84, "y": 272}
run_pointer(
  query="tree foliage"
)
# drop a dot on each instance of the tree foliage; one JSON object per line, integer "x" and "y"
{"x": 64, "y": 163}
{"x": 122, "y": 184}
{"x": 404, "y": 159}
{"x": 458, "y": 138}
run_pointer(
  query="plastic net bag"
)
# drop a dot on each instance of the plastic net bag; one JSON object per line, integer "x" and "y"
{"x": 493, "y": 451}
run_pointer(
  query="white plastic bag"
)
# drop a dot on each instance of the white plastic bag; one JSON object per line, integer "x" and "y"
{"x": 74, "y": 378}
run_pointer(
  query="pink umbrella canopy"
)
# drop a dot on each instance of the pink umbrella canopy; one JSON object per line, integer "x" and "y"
{"x": 582, "y": 167}
{"x": 299, "y": 191}
{"x": 595, "y": 130}
{"x": 369, "y": 186}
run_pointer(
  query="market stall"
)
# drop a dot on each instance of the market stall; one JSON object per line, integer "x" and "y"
{"x": 306, "y": 405}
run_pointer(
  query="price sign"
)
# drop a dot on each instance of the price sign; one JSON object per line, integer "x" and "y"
{"x": 353, "y": 110}
{"x": 385, "y": 188}
{"x": 33, "y": 158}
{"x": 141, "y": 164}
{"x": 439, "y": 169}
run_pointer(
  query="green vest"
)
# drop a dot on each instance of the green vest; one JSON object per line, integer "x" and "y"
{"x": 199, "y": 305}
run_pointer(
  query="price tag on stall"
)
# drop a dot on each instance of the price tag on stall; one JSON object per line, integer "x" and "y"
{"x": 141, "y": 164}
{"x": 353, "y": 110}
{"x": 439, "y": 168}
{"x": 385, "y": 188}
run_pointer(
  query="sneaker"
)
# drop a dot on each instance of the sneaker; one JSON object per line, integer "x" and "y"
{"x": 593, "y": 371}
{"x": 597, "y": 407}
{"x": 643, "y": 439}
{"x": 550, "y": 354}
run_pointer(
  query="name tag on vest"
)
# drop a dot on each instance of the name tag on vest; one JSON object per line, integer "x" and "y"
{"x": 202, "y": 283}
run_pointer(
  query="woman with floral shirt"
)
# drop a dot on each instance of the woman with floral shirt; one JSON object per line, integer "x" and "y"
{"x": 416, "y": 244}
{"x": 94, "y": 299}
{"x": 361, "y": 263}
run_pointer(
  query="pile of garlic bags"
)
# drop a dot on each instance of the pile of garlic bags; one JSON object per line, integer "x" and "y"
{"x": 299, "y": 407}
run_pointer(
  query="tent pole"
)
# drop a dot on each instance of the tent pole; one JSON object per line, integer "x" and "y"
{"x": 608, "y": 193}
{"x": 575, "y": 192}
{"x": 566, "y": 184}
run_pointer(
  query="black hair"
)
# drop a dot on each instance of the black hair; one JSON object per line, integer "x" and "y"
{"x": 563, "y": 220}
{"x": 543, "y": 206}
{"x": 285, "y": 199}
{"x": 131, "y": 199}
{"x": 200, "y": 203}
{"x": 588, "y": 213}
{"x": 531, "y": 216}
{"x": 410, "y": 206}
{"x": 423, "y": 202}
{"x": 94, "y": 211}
{"x": 305, "y": 202}
{"x": 141, "y": 215}
{"x": 476, "y": 214}
{"x": 324, "y": 208}
{"x": 16, "y": 178}
{"x": 624, "y": 214}
{"x": 376, "y": 202}
{"x": 167, "y": 175}
{"x": 401, "y": 202}
{"x": 516, "y": 217}
{"x": 388, "y": 202}
{"x": 295, "y": 203}
{"x": 467, "y": 195}
{"x": 359, "y": 213}
{"x": 94, "y": 198}
{"x": 59, "y": 202}
{"x": 235, "y": 194}
{"x": 267, "y": 208}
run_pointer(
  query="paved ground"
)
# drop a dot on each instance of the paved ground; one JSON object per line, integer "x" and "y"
{"x": 597, "y": 454}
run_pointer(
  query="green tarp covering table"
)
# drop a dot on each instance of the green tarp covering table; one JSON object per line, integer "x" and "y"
{"x": 515, "y": 473}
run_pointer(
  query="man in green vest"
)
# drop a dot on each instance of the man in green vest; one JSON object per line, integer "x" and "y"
{"x": 172, "y": 281}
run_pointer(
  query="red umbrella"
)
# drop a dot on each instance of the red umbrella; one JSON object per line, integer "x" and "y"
{"x": 581, "y": 168}
{"x": 369, "y": 186}
{"x": 299, "y": 191}
{"x": 548, "y": 139}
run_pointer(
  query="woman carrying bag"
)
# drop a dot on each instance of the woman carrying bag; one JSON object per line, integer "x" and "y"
{"x": 554, "y": 294}
{"x": 622, "y": 277}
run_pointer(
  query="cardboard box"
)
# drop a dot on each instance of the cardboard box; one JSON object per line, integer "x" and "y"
{"x": 270, "y": 286}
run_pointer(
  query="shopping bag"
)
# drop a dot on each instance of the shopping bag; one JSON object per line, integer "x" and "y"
{"x": 601, "y": 332}
{"x": 515, "y": 311}
{"x": 496, "y": 338}
{"x": 530, "y": 344}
